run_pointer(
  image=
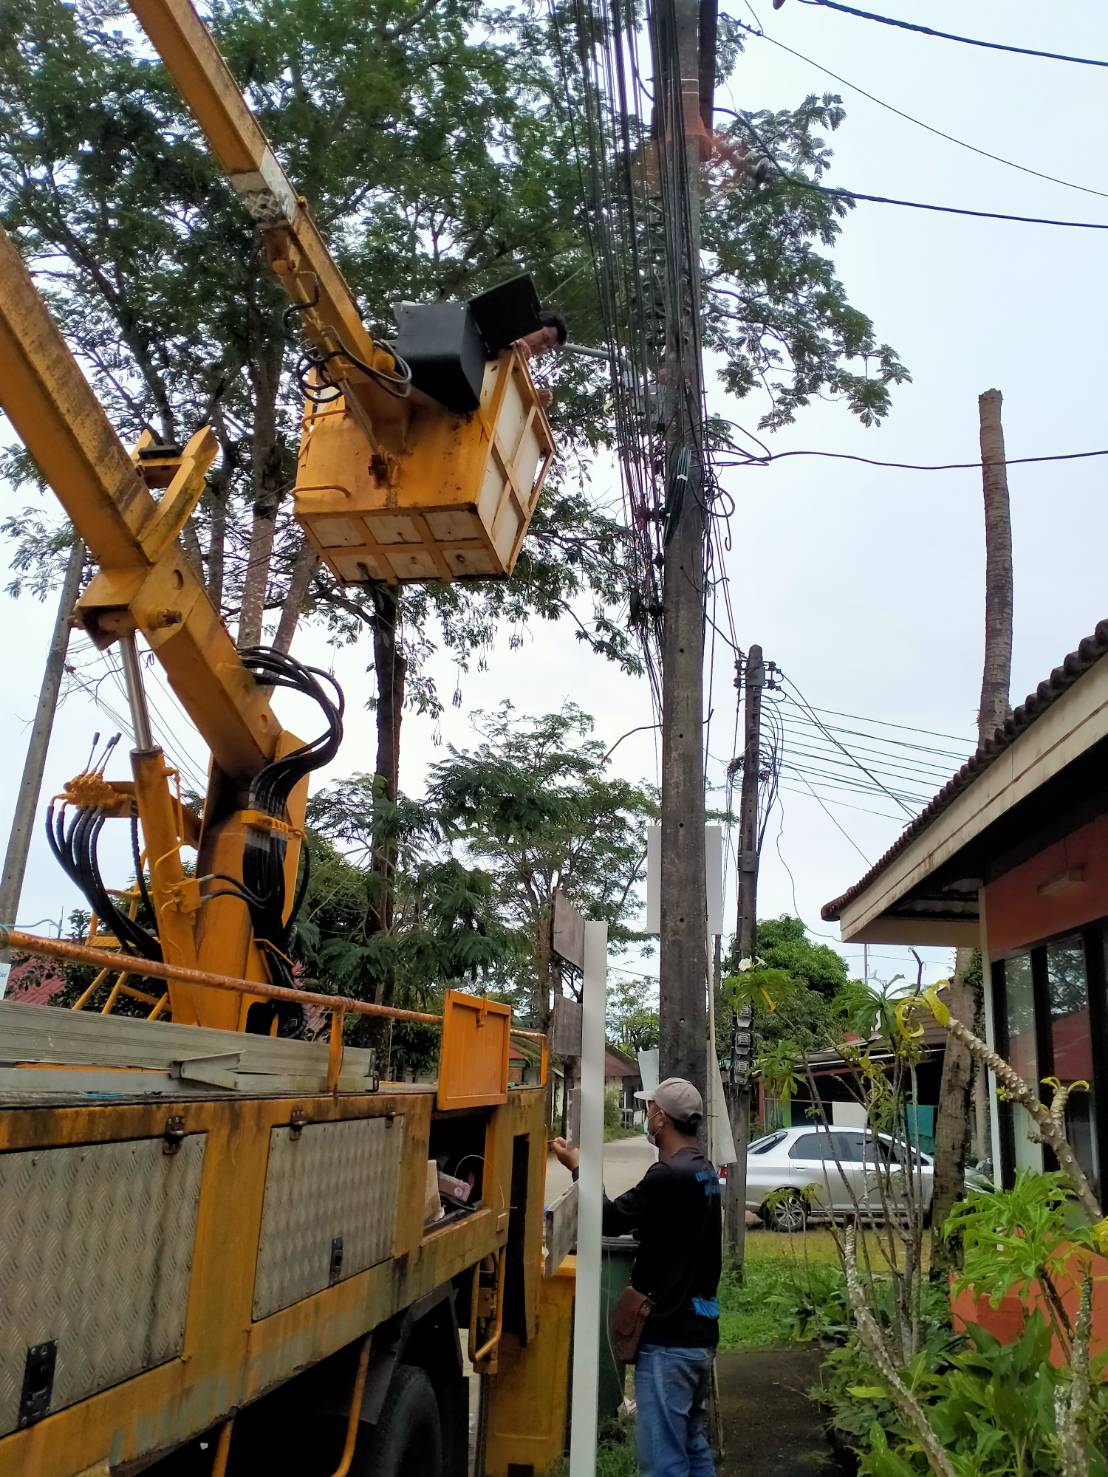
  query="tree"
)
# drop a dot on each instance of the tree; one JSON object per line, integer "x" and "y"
{"x": 534, "y": 804}
{"x": 632, "y": 1014}
{"x": 792, "y": 989}
{"x": 383, "y": 117}
{"x": 783, "y": 943}
{"x": 445, "y": 931}
{"x": 438, "y": 147}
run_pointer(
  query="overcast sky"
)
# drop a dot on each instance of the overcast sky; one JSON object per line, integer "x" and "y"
{"x": 864, "y": 584}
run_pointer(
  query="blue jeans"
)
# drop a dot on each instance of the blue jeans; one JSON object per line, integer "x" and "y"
{"x": 671, "y": 1399}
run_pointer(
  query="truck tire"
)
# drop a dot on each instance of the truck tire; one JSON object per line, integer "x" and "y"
{"x": 407, "y": 1440}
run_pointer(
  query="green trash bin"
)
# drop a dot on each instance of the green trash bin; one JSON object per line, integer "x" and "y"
{"x": 617, "y": 1258}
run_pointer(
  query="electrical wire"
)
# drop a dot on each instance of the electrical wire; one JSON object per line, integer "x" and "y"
{"x": 835, "y": 192}
{"x": 919, "y": 123}
{"x": 1011, "y": 461}
{"x": 986, "y": 215}
{"x": 888, "y": 20}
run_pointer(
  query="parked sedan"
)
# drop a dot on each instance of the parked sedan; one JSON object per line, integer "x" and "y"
{"x": 846, "y": 1167}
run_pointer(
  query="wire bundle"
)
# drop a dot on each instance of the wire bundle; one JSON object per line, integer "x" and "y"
{"x": 263, "y": 862}
{"x": 74, "y": 839}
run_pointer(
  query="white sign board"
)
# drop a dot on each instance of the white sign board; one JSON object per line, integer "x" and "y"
{"x": 713, "y": 861}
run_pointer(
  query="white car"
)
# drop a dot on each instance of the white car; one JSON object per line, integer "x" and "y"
{"x": 846, "y": 1167}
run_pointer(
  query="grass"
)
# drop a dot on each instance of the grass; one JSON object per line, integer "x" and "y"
{"x": 756, "y": 1314}
{"x": 619, "y": 1132}
{"x": 615, "y": 1457}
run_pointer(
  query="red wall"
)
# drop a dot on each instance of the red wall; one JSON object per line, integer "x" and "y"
{"x": 1017, "y": 913}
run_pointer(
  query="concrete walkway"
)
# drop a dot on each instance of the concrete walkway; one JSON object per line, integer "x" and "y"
{"x": 770, "y": 1427}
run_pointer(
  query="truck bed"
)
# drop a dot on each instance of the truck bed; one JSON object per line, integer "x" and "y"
{"x": 172, "y": 1248}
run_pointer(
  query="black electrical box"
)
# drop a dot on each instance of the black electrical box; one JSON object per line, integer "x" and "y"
{"x": 442, "y": 345}
{"x": 506, "y": 312}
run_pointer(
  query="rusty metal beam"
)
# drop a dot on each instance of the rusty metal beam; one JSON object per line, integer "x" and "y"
{"x": 30, "y": 943}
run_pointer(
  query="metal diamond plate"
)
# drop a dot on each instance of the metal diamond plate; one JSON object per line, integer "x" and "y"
{"x": 332, "y": 1180}
{"x": 95, "y": 1252}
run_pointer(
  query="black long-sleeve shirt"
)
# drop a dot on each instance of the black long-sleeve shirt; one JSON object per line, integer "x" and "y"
{"x": 675, "y": 1213}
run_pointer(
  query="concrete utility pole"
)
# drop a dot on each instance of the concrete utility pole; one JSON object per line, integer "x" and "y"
{"x": 683, "y": 936}
{"x": 754, "y": 681}
{"x": 30, "y": 786}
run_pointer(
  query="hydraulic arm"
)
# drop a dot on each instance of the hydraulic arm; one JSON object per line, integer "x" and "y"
{"x": 371, "y": 378}
{"x": 146, "y": 585}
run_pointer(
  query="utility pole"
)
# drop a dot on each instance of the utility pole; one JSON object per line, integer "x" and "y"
{"x": 683, "y": 915}
{"x": 30, "y": 785}
{"x": 754, "y": 680}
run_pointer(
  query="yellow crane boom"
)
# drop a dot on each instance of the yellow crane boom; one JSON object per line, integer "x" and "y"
{"x": 369, "y": 374}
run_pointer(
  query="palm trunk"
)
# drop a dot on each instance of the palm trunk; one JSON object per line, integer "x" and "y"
{"x": 952, "y": 1122}
{"x": 999, "y": 592}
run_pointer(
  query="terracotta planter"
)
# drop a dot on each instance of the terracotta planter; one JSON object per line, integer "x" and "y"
{"x": 1005, "y": 1322}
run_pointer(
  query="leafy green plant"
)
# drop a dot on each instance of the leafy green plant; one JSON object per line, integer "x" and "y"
{"x": 1015, "y": 1238}
{"x": 991, "y": 1405}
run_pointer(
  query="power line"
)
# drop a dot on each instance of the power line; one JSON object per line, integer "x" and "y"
{"x": 917, "y": 749}
{"x": 914, "y": 777}
{"x": 844, "y": 456}
{"x": 892, "y": 796}
{"x": 985, "y": 215}
{"x": 887, "y": 723}
{"x": 837, "y": 823}
{"x": 845, "y": 805}
{"x": 898, "y": 751}
{"x": 919, "y": 123}
{"x": 833, "y": 192}
{"x": 888, "y": 20}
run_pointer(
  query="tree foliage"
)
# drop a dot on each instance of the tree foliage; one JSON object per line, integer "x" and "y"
{"x": 437, "y": 146}
{"x": 475, "y": 863}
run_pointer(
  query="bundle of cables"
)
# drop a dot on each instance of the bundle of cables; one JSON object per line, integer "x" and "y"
{"x": 263, "y": 863}
{"x": 73, "y": 840}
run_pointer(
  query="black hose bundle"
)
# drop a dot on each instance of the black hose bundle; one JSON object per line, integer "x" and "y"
{"x": 263, "y": 862}
{"x": 74, "y": 844}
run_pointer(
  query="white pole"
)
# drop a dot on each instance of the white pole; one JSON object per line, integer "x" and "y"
{"x": 590, "y": 1196}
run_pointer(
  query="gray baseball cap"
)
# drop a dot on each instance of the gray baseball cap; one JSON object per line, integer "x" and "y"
{"x": 677, "y": 1098}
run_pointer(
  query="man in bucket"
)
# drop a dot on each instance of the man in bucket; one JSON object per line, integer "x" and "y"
{"x": 675, "y": 1213}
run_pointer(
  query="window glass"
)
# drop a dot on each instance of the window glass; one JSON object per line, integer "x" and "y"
{"x": 1023, "y": 1053}
{"x": 811, "y": 1146}
{"x": 763, "y": 1146}
{"x": 1071, "y": 1042}
{"x": 851, "y": 1147}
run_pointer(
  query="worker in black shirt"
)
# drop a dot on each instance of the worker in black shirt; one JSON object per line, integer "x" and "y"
{"x": 675, "y": 1213}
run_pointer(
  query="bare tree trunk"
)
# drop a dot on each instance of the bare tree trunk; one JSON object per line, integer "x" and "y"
{"x": 303, "y": 570}
{"x": 218, "y": 495}
{"x": 390, "y": 667}
{"x": 952, "y": 1126}
{"x": 269, "y": 488}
